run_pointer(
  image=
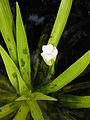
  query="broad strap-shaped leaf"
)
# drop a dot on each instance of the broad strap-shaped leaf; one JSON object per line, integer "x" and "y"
{"x": 8, "y": 108}
{"x": 35, "y": 110}
{"x": 68, "y": 75}
{"x": 13, "y": 72}
{"x": 72, "y": 101}
{"x": 60, "y": 22}
{"x": 35, "y": 96}
{"x": 8, "y": 12}
{"x": 6, "y": 31}
{"x": 22, "y": 48}
{"x": 22, "y": 112}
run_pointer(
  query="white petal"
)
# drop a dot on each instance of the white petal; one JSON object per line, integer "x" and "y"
{"x": 55, "y": 52}
{"x": 49, "y": 54}
{"x": 47, "y": 48}
{"x": 48, "y": 57}
{"x": 42, "y": 54}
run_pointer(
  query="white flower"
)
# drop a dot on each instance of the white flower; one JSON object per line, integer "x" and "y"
{"x": 49, "y": 54}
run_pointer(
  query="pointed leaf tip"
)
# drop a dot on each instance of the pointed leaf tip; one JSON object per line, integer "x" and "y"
{"x": 22, "y": 49}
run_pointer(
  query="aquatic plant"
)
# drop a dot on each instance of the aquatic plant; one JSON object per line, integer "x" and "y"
{"x": 19, "y": 98}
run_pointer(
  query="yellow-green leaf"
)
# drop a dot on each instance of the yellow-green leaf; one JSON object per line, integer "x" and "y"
{"x": 60, "y": 22}
{"x": 68, "y": 75}
{"x": 35, "y": 110}
{"x": 22, "y": 112}
{"x": 22, "y": 86}
{"x": 35, "y": 96}
{"x": 22, "y": 49}
{"x": 8, "y": 12}
{"x": 13, "y": 72}
{"x": 6, "y": 30}
{"x": 8, "y": 108}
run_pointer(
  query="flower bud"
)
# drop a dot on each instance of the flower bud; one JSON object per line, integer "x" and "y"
{"x": 49, "y": 54}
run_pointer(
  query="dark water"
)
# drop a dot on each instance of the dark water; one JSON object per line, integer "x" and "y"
{"x": 38, "y": 16}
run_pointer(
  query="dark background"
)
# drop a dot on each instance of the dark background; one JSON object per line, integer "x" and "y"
{"x": 75, "y": 40}
{"x": 39, "y": 15}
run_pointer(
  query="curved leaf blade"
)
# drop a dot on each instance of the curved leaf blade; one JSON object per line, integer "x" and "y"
{"x": 68, "y": 75}
{"x": 8, "y": 12}
{"x": 6, "y": 30}
{"x": 60, "y": 22}
{"x": 13, "y": 72}
{"x": 11, "y": 68}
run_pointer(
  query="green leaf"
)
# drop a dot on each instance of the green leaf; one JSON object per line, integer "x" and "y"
{"x": 60, "y": 22}
{"x": 22, "y": 86}
{"x": 8, "y": 108}
{"x": 13, "y": 72}
{"x": 35, "y": 96}
{"x": 22, "y": 49}
{"x": 72, "y": 101}
{"x": 22, "y": 112}
{"x": 68, "y": 75}
{"x": 41, "y": 96}
{"x": 35, "y": 110}
{"x": 9, "y": 116}
{"x": 11, "y": 68}
{"x": 7, "y": 9}
{"x": 6, "y": 30}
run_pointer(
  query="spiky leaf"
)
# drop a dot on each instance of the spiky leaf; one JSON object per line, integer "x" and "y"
{"x": 35, "y": 96}
{"x": 13, "y": 72}
{"x": 6, "y": 30}
{"x": 22, "y": 48}
{"x": 68, "y": 75}
{"x": 60, "y": 22}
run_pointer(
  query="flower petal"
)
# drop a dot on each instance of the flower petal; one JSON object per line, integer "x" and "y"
{"x": 47, "y": 48}
{"x": 49, "y": 54}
